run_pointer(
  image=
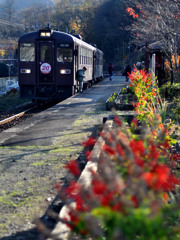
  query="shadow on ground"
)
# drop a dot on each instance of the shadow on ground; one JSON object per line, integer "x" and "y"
{"x": 31, "y": 234}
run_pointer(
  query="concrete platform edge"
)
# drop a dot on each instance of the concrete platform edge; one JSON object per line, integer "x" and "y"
{"x": 61, "y": 230}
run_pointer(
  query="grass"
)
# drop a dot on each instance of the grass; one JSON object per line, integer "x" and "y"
{"x": 11, "y": 101}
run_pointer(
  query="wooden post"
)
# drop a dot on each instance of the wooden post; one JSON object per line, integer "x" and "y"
{"x": 147, "y": 57}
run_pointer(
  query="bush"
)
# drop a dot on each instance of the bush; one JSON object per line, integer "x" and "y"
{"x": 170, "y": 90}
{"x": 174, "y": 109}
{"x": 129, "y": 193}
{"x": 134, "y": 192}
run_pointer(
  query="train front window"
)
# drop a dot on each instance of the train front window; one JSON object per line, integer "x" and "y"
{"x": 64, "y": 54}
{"x": 27, "y": 52}
{"x": 46, "y": 53}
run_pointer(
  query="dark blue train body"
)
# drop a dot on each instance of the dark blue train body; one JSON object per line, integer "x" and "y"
{"x": 48, "y": 63}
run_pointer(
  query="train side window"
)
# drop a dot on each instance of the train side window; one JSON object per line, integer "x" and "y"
{"x": 27, "y": 52}
{"x": 64, "y": 54}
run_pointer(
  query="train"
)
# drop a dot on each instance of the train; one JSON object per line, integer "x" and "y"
{"x": 48, "y": 61}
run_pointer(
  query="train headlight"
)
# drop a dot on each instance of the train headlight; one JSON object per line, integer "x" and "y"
{"x": 45, "y": 33}
{"x": 65, "y": 71}
{"x": 26, "y": 71}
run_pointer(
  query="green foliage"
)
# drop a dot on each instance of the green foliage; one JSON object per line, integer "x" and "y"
{"x": 11, "y": 101}
{"x": 170, "y": 90}
{"x": 128, "y": 195}
{"x": 124, "y": 90}
{"x": 174, "y": 109}
{"x": 113, "y": 97}
{"x": 172, "y": 93}
{"x": 138, "y": 224}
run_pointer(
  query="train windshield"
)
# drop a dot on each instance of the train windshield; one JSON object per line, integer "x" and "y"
{"x": 64, "y": 54}
{"x": 46, "y": 53}
{"x": 27, "y": 52}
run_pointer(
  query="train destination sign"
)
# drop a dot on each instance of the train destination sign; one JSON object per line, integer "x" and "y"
{"x": 45, "y": 68}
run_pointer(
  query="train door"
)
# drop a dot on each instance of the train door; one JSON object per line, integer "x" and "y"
{"x": 76, "y": 66}
{"x": 76, "y": 58}
{"x": 45, "y": 67}
{"x": 94, "y": 65}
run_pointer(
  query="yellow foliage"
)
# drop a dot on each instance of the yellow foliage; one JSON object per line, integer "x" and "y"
{"x": 173, "y": 59}
{"x": 76, "y": 26}
{"x": 2, "y": 52}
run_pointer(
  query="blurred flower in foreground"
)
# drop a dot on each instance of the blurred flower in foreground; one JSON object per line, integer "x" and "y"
{"x": 129, "y": 194}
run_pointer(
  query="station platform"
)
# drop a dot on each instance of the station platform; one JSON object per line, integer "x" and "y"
{"x": 45, "y": 128}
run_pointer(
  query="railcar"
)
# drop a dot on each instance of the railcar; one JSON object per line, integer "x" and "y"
{"x": 48, "y": 61}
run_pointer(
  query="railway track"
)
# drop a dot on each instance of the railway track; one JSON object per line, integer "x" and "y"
{"x": 8, "y": 120}
{"x": 11, "y": 119}
{"x": 14, "y": 117}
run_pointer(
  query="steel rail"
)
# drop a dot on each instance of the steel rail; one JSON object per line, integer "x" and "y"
{"x": 18, "y": 115}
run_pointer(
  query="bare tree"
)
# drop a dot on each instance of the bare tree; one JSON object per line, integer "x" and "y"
{"x": 157, "y": 21}
{"x": 8, "y": 10}
{"x": 36, "y": 16}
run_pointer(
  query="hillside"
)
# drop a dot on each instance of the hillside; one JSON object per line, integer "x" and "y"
{"x": 20, "y": 4}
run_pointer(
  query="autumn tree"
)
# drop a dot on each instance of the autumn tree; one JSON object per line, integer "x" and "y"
{"x": 35, "y": 17}
{"x": 100, "y": 22}
{"x": 63, "y": 14}
{"x": 9, "y": 26}
{"x": 111, "y": 33}
{"x": 85, "y": 15}
{"x": 157, "y": 21}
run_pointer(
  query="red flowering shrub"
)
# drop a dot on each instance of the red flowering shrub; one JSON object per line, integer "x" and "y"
{"x": 128, "y": 194}
{"x": 150, "y": 107}
{"x": 134, "y": 178}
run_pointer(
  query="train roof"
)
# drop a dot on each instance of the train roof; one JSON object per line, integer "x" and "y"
{"x": 55, "y": 34}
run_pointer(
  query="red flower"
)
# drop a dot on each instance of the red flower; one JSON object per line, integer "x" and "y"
{"x": 107, "y": 198}
{"x": 165, "y": 197}
{"x": 119, "y": 149}
{"x": 116, "y": 119}
{"x": 89, "y": 142}
{"x": 134, "y": 122}
{"x": 102, "y": 135}
{"x": 137, "y": 147}
{"x": 137, "y": 104}
{"x": 148, "y": 177}
{"x": 175, "y": 157}
{"x": 160, "y": 178}
{"x": 73, "y": 167}
{"x": 88, "y": 155}
{"x": 74, "y": 220}
{"x": 118, "y": 207}
{"x": 165, "y": 144}
{"x": 109, "y": 150}
{"x": 154, "y": 153}
{"x": 80, "y": 204}
{"x": 98, "y": 187}
{"x": 73, "y": 189}
{"x": 135, "y": 201}
{"x": 139, "y": 161}
{"x": 162, "y": 173}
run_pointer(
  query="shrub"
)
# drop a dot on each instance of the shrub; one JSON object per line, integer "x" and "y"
{"x": 134, "y": 192}
{"x": 129, "y": 193}
{"x": 113, "y": 97}
{"x": 174, "y": 109}
{"x": 170, "y": 91}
